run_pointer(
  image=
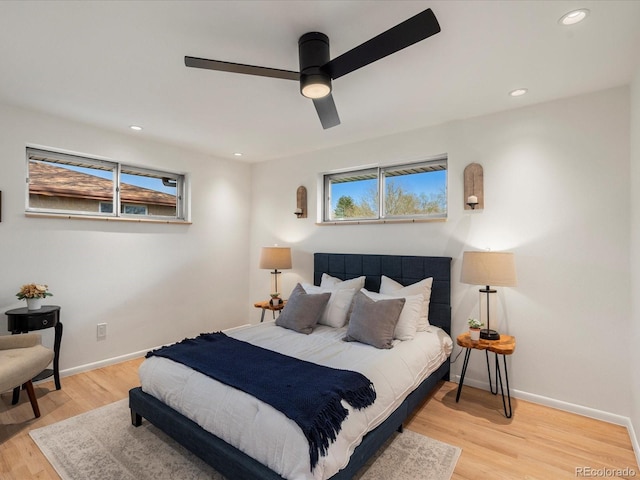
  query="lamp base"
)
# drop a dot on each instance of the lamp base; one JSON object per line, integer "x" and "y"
{"x": 487, "y": 334}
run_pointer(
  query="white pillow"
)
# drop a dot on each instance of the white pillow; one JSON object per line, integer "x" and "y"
{"x": 328, "y": 281}
{"x": 336, "y": 313}
{"x": 423, "y": 287}
{"x": 409, "y": 317}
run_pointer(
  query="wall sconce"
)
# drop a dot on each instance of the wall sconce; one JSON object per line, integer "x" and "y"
{"x": 301, "y": 203}
{"x": 473, "y": 187}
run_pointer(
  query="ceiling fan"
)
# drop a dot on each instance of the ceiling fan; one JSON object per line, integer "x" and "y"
{"x": 317, "y": 70}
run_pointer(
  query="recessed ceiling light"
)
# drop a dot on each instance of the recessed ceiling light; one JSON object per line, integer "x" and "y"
{"x": 237, "y": 154}
{"x": 518, "y": 92}
{"x": 135, "y": 127}
{"x": 574, "y": 16}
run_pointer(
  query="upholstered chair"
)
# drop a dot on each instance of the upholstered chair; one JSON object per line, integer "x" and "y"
{"x": 22, "y": 357}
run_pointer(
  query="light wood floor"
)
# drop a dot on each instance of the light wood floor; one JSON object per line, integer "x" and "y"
{"x": 537, "y": 443}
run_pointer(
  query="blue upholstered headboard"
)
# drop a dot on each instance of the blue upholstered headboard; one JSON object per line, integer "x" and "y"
{"x": 403, "y": 269}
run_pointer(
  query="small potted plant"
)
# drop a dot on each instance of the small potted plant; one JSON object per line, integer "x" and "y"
{"x": 33, "y": 293}
{"x": 474, "y": 329}
{"x": 275, "y": 299}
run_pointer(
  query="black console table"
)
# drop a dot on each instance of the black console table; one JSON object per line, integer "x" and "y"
{"x": 23, "y": 320}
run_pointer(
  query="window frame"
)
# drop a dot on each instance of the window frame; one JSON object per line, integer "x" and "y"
{"x": 325, "y": 198}
{"x": 327, "y": 177}
{"x": 52, "y": 157}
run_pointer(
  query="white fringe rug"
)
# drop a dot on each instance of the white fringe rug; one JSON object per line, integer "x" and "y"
{"x": 103, "y": 445}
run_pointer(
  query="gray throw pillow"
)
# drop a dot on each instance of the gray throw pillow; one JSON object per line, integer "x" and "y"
{"x": 373, "y": 322}
{"x": 303, "y": 310}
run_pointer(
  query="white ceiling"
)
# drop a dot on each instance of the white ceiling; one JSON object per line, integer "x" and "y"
{"x": 117, "y": 63}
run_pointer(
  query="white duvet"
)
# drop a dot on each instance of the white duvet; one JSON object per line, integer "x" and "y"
{"x": 267, "y": 435}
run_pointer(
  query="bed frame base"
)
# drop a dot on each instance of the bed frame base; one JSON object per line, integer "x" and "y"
{"x": 236, "y": 465}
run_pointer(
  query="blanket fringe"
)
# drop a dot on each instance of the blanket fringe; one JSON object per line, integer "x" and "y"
{"x": 328, "y": 423}
{"x": 325, "y": 429}
{"x": 362, "y": 397}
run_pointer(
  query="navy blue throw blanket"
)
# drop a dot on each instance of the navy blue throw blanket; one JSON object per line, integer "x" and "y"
{"x": 307, "y": 393}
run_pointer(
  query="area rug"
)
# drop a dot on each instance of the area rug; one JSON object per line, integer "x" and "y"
{"x": 103, "y": 445}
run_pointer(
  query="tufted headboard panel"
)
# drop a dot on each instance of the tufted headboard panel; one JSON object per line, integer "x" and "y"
{"x": 401, "y": 268}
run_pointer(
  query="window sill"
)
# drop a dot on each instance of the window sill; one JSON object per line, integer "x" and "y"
{"x": 105, "y": 219}
{"x": 380, "y": 221}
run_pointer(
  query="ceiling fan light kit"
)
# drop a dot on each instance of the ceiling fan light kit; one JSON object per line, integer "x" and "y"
{"x": 315, "y": 86}
{"x": 313, "y": 54}
{"x": 317, "y": 69}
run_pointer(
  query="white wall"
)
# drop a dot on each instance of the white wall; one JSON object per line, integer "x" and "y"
{"x": 634, "y": 329}
{"x": 151, "y": 283}
{"x": 556, "y": 194}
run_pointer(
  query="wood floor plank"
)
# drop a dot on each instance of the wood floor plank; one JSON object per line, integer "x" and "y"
{"x": 538, "y": 443}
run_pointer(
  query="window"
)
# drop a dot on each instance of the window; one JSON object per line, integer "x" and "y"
{"x": 409, "y": 191}
{"x": 67, "y": 184}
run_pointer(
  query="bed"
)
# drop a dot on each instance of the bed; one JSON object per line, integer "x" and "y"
{"x": 232, "y": 462}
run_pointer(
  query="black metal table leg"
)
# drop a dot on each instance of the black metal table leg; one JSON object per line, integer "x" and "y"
{"x": 467, "y": 354}
{"x": 489, "y": 372}
{"x": 508, "y": 413}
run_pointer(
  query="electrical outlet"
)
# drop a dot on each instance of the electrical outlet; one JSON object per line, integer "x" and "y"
{"x": 102, "y": 330}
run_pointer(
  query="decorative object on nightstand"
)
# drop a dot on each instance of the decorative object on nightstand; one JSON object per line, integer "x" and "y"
{"x": 301, "y": 202}
{"x": 34, "y": 294}
{"x": 474, "y": 329}
{"x": 473, "y": 187}
{"x": 275, "y": 258}
{"x": 504, "y": 345}
{"x": 488, "y": 268}
{"x": 275, "y": 299}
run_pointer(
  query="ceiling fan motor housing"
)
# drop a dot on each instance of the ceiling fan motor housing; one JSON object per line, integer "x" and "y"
{"x": 313, "y": 50}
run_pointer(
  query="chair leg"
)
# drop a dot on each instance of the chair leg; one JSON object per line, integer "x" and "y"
{"x": 28, "y": 386}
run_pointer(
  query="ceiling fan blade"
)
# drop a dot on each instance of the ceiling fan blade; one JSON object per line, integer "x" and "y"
{"x": 327, "y": 111}
{"x": 240, "y": 68}
{"x": 403, "y": 35}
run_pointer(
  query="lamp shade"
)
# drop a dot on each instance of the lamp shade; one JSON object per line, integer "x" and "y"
{"x": 489, "y": 268}
{"x": 274, "y": 258}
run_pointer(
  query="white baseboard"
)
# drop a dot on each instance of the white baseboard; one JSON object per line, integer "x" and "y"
{"x": 552, "y": 402}
{"x": 567, "y": 407}
{"x": 103, "y": 363}
{"x": 634, "y": 442}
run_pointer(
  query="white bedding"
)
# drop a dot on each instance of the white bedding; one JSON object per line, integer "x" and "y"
{"x": 266, "y": 434}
